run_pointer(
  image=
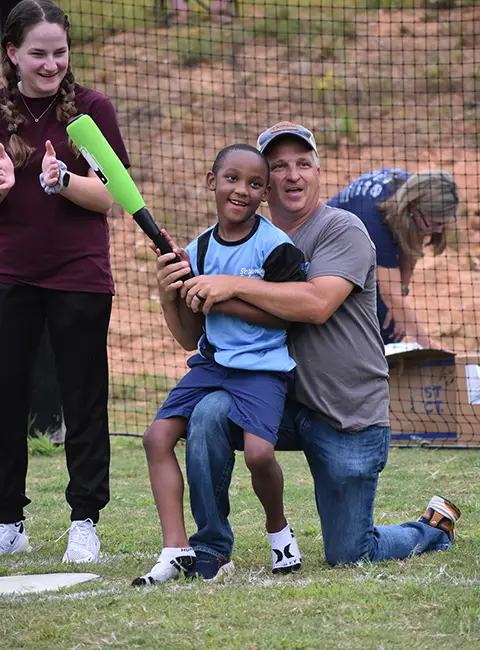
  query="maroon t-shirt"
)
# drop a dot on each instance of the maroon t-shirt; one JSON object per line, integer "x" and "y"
{"x": 46, "y": 240}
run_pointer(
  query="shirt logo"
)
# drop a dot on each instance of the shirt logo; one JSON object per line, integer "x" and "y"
{"x": 305, "y": 267}
{"x": 252, "y": 273}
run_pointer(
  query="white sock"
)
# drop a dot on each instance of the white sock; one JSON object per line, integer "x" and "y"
{"x": 171, "y": 552}
{"x": 280, "y": 538}
{"x": 286, "y": 556}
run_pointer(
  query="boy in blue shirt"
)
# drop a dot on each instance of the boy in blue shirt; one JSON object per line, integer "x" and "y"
{"x": 241, "y": 350}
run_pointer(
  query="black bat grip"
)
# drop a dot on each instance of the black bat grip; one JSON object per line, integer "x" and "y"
{"x": 150, "y": 228}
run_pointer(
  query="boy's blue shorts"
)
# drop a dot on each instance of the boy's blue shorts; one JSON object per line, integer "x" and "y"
{"x": 258, "y": 396}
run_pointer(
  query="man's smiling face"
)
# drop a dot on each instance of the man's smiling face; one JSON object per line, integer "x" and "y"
{"x": 294, "y": 178}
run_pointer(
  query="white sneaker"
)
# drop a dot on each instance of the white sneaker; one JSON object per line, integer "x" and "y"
{"x": 13, "y": 538}
{"x": 170, "y": 564}
{"x": 83, "y": 543}
{"x": 286, "y": 556}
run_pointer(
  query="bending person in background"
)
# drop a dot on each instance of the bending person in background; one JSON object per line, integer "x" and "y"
{"x": 400, "y": 210}
{"x": 54, "y": 269}
{"x": 337, "y": 413}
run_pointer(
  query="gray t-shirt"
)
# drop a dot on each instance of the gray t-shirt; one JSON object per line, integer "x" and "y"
{"x": 341, "y": 373}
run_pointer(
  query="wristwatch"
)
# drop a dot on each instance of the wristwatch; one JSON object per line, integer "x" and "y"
{"x": 66, "y": 179}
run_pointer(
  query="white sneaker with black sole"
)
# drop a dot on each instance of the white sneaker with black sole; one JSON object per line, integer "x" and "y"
{"x": 286, "y": 556}
{"x": 13, "y": 538}
{"x": 83, "y": 543}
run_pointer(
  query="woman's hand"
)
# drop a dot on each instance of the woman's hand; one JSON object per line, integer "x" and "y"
{"x": 399, "y": 330}
{"x": 7, "y": 172}
{"x": 50, "y": 168}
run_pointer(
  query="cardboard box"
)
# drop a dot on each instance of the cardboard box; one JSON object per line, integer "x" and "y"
{"x": 434, "y": 396}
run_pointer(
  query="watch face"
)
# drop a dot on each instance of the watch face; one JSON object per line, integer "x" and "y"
{"x": 66, "y": 179}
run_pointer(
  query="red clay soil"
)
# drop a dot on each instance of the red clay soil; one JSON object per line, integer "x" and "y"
{"x": 411, "y": 91}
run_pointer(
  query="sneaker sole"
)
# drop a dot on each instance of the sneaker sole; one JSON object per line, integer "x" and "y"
{"x": 224, "y": 571}
{"x": 86, "y": 561}
{"x": 144, "y": 581}
{"x": 285, "y": 570}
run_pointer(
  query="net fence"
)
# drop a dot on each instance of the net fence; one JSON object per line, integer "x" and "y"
{"x": 382, "y": 84}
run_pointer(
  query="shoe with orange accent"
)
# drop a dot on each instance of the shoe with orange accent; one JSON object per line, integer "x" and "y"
{"x": 443, "y": 514}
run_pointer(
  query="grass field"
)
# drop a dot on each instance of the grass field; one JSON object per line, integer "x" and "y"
{"x": 431, "y": 601}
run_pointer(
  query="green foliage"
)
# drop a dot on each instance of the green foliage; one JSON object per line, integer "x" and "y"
{"x": 153, "y": 306}
{"x": 138, "y": 387}
{"x": 206, "y": 43}
{"x": 290, "y": 27}
{"x": 134, "y": 400}
{"x": 42, "y": 446}
{"x": 387, "y": 4}
{"x": 346, "y": 124}
{"x": 93, "y": 19}
{"x": 431, "y": 72}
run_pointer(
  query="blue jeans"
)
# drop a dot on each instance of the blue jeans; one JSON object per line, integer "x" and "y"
{"x": 345, "y": 468}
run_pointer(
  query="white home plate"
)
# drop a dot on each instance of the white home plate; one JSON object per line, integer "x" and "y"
{"x": 42, "y": 582}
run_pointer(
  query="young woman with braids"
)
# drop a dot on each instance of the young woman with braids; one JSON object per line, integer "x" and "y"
{"x": 54, "y": 269}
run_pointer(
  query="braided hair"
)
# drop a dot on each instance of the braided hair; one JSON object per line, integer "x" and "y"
{"x": 28, "y": 14}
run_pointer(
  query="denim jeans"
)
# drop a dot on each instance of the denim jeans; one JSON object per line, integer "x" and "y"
{"x": 345, "y": 468}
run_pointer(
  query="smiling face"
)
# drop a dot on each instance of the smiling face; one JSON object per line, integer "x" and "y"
{"x": 295, "y": 180}
{"x": 42, "y": 59}
{"x": 240, "y": 185}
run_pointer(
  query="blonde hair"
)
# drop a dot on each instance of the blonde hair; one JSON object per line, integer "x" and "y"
{"x": 434, "y": 193}
{"x": 23, "y": 17}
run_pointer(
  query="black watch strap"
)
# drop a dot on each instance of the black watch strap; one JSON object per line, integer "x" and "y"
{"x": 66, "y": 179}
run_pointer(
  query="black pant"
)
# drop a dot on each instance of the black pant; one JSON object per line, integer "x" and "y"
{"x": 78, "y": 324}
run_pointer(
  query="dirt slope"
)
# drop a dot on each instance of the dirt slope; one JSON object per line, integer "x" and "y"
{"x": 404, "y": 92}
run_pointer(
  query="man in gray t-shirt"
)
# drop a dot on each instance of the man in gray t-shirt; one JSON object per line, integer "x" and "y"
{"x": 338, "y": 413}
{"x": 349, "y": 390}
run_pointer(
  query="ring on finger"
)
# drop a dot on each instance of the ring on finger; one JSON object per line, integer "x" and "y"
{"x": 201, "y": 298}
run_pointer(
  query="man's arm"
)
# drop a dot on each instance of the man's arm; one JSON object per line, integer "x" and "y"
{"x": 247, "y": 312}
{"x": 342, "y": 259}
{"x": 306, "y": 302}
{"x": 283, "y": 264}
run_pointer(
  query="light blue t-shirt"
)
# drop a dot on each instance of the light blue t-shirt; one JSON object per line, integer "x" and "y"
{"x": 266, "y": 254}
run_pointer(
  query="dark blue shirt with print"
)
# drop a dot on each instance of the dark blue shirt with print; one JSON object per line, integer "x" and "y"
{"x": 361, "y": 198}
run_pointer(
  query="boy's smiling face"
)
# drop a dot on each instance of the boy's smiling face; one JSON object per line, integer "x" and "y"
{"x": 240, "y": 185}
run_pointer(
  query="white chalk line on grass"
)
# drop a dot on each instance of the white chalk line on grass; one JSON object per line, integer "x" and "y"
{"x": 258, "y": 578}
{"x": 440, "y": 577}
{"x": 183, "y": 585}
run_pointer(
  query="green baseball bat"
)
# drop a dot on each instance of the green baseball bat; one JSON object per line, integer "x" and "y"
{"x": 94, "y": 147}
